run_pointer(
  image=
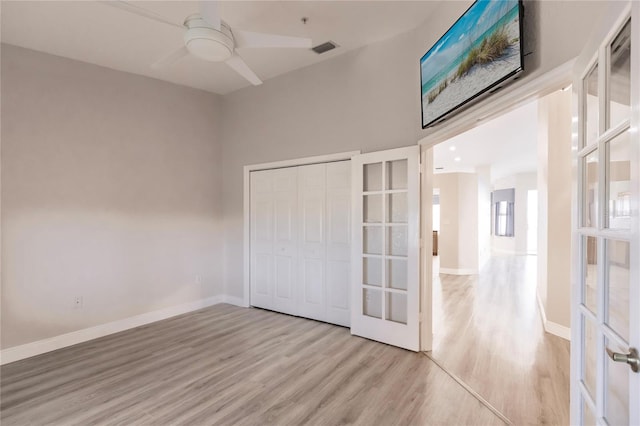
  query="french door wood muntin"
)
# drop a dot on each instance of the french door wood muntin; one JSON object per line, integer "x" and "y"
{"x": 599, "y": 394}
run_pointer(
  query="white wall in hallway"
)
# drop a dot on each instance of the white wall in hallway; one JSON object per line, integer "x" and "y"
{"x": 458, "y": 236}
{"x": 554, "y": 207}
{"x": 484, "y": 215}
{"x": 524, "y": 183}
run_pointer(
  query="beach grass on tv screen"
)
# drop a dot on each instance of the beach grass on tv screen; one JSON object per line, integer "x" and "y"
{"x": 485, "y": 58}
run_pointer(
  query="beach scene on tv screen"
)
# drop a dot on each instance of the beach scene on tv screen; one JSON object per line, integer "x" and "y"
{"x": 480, "y": 49}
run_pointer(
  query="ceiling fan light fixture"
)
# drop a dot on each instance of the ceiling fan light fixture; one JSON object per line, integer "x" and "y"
{"x": 208, "y": 49}
{"x": 207, "y": 43}
{"x": 209, "y": 38}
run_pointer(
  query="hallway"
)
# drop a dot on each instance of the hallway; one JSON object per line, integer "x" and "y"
{"x": 488, "y": 333}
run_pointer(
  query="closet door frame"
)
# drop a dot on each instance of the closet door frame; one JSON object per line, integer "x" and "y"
{"x": 245, "y": 301}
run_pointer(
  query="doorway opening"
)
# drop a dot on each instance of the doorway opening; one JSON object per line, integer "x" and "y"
{"x": 489, "y": 295}
{"x": 435, "y": 216}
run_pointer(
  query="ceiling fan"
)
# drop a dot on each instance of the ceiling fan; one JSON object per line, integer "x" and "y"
{"x": 209, "y": 38}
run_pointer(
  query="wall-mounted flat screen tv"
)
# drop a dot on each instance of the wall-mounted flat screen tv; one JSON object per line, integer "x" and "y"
{"x": 480, "y": 51}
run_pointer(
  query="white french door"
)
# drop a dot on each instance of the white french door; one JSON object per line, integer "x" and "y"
{"x": 605, "y": 389}
{"x": 386, "y": 244}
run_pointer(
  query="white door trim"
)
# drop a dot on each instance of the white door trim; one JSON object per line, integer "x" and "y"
{"x": 341, "y": 156}
{"x": 426, "y": 249}
{"x": 500, "y": 103}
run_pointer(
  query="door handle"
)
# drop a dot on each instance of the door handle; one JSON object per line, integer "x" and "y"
{"x": 631, "y": 358}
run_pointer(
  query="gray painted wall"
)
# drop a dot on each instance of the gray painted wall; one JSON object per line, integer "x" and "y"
{"x": 111, "y": 190}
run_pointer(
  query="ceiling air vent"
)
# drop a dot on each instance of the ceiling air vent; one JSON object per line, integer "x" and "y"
{"x": 324, "y": 47}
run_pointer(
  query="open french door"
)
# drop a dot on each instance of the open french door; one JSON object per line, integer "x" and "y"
{"x": 605, "y": 370}
{"x": 386, "y": 244}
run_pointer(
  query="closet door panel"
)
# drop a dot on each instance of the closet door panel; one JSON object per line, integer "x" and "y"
{"x": 312, "y": 249}
{"x": 313, "y": 292}
{"x": 338, "y": 289}
{"x": 338, "y": 235}
{"x": 285, "y": 196}
{"x": 262, "y": 239}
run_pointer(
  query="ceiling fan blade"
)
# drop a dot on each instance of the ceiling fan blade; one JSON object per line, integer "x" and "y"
{"x": 251, "y": 39}
{"x": 240, "y": 66}
{"x": 209, "y": 11}
{"x": 140, "y": 11}
{"x": 171, "y": 58}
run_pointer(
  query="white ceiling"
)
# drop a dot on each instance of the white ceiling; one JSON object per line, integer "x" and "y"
{"x": 97, "y": 33}
{"x": 508, "y": 144}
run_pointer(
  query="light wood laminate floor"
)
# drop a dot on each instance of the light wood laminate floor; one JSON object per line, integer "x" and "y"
{"x": 488, "y": 332}
{"x": 229, "y": 365}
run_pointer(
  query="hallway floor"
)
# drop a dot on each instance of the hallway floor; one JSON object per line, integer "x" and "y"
{"x": 488, "y": 332}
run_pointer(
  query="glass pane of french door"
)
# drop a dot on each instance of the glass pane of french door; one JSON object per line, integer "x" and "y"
{"x": 591, "y": 102}
{"x": 617, "y": 296}
{"x": 619, "y": 93}
{"x": 385, "y": 240}
{"x": 618, "y": 182}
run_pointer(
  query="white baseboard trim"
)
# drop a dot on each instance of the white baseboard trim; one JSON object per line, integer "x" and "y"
{"x": 550, "y": 326}
{"x": 451, "y": 271}
{"x": 28, "y": 350}
{"x": 498, "y": 251}
{"x": 232, "y": 300}
{"x": 558, "y": 330}
{"x": 495, "y": 251}
{"x": 543, "y": 314}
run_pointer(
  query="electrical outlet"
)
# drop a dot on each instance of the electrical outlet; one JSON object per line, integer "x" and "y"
{"x": 77, "y": 302}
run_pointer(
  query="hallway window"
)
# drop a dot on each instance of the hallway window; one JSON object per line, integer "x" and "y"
{"x": 503, "y": 202}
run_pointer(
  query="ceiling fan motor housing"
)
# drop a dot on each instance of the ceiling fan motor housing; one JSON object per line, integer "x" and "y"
{"x": 206, "y": 42}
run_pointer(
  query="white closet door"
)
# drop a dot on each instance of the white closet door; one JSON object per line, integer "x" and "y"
{"x": 274, "y": 239}
{"x": 312, "y": 252}
{"x": 262, "y": 239}
{"x": 338, "y": 238}
{"x": 300, "y": 241}
{"x": 286, "y": 240}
